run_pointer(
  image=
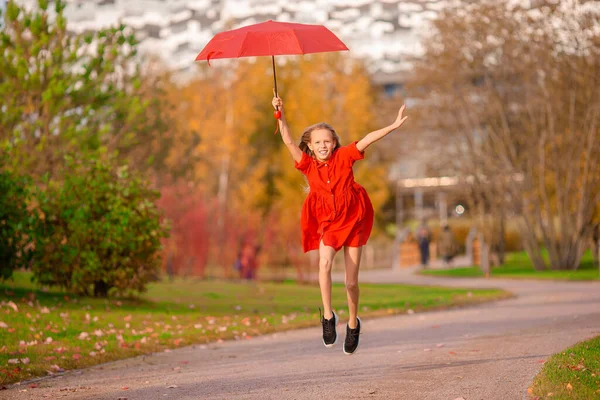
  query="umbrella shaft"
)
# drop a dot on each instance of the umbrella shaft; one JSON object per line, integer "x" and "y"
{"x": 274, "y": 75}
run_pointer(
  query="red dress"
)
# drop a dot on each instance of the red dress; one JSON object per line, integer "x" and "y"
{"x": 337, "y": 210}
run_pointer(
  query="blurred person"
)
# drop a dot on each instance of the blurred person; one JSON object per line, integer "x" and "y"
{"x": 423, "y": 240}
{"x": 447, "y": 246}
{"x": 337, "y": 211}
{"x": 246, "y": 262}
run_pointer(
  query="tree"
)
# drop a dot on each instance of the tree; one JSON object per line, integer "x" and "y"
{"x": 516, "y": 88}
{"x": 245, "y": 173}
{"x": 100, "y": 230}
{"x": 67, "y": 93}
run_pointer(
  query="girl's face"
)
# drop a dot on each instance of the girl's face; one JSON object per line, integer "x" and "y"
{"x": 322, "y": 144}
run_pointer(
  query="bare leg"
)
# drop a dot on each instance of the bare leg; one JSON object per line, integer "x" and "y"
{"x": 326, "y": 254}
{"x": 352, "y": 259}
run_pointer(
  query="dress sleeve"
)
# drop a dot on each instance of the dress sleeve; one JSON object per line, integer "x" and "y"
{"x": 303, "y": 164}
{"x": 351, "y": 153}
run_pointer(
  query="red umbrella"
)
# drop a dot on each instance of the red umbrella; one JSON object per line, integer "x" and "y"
{"x": 271, "y": 38}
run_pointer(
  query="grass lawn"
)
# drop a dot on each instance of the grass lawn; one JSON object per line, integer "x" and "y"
{"x": 571, "y": 374}
{"x": 518, "y": 266}
{"x": 45, "y": 332}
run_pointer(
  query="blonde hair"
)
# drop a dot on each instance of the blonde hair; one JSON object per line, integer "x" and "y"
{"x": 306, "y": 135}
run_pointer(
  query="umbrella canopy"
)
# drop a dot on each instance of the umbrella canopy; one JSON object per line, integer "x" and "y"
{"x": 271, "y": 38}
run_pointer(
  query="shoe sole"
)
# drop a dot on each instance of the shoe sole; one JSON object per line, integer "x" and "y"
{"x": 356, "y": 349}
{"x": 336, "y": 335}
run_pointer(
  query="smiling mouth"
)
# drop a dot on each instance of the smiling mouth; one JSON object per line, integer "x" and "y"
{"x": 323, "y": 152}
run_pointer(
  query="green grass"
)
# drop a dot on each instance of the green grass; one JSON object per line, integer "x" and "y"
{"x": 518, "y": 266}
{"x": 571, "y": 374}
{"x": 86, "y": 331}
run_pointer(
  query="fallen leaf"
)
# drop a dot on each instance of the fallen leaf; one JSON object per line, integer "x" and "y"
{"x": 427, "y": 349}
{"x": 127, "y": 318}
{"x": 13, "y": 306}
{"x": 529, "y": 390}
{"x": 172, "y": 387}
{"x": 76, "y": 356}
{"x": 25, "y": 360}
{"x": 125, "y": 388}
{"x": 439, "y": 345}
{"x": 3, "y": 325}
{"x": 451, "y": 352}
{"x": 569, "y": 386}
{"x": 83, "y": 336}
{"x": 13, "y": 361}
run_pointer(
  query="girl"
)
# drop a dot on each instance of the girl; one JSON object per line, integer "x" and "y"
{"x": 336, "y": 213}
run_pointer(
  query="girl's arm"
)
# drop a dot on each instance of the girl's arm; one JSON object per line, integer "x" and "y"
{"x": 376, "y": 135}
{"x": 285, "y": 131}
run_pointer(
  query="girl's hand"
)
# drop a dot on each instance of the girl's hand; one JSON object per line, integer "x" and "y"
{"x": 277, "y": 102}
{"x": 400, "y": 119}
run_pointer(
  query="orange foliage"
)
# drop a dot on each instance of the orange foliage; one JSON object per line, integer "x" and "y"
{"x": 253, "y": 191}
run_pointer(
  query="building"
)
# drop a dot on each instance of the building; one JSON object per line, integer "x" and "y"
{"x": 385, "y": 33}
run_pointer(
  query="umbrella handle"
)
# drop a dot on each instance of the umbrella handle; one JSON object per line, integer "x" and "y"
{"x": 277, "y": 113}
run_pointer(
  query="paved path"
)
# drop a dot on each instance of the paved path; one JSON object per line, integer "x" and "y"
{"x": 491, "y": 351}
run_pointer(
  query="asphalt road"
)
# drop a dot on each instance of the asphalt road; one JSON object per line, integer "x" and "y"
{"x": 490, "y": 351}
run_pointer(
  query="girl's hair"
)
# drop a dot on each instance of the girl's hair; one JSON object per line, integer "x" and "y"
{"x": 305, "y": 140}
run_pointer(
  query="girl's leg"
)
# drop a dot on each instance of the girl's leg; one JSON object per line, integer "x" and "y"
{"x": 326, "y": 254}
{"x": 352, "y": 259}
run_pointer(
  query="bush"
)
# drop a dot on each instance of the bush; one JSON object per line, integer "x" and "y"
{"x": 16, "y": 223}
{"x": 100, "y": 230}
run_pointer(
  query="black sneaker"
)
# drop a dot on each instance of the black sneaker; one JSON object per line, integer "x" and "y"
{"x": 351, "y": 342}
{"x": 329, "y": 330}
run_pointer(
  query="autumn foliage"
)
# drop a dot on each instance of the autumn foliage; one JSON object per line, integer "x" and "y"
{"x": 224, "y": 132}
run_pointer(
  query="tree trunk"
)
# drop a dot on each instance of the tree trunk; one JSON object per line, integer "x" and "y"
{"x": 101, "y": 289}
{"x": 501, "y": 239}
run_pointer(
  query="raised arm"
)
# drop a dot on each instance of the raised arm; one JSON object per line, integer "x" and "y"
{"x": 285, "y": 130}
{"x": 378, "y": 134}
